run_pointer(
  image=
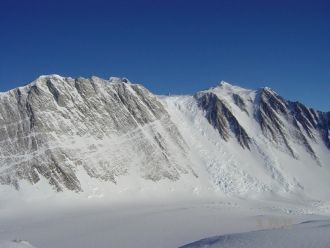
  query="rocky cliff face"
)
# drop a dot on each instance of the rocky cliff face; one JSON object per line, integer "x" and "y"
{"x": 282, "y": 122}
{"x": 220, "y": 116}
{"x": 56, "y": 126}
{"x": 279, "y": 118}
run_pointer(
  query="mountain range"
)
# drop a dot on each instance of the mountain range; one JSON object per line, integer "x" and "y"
{"x": 67, "y": 131}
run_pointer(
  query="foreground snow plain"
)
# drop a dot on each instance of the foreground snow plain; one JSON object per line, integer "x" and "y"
{"x": 305, "y": 234}
{"x": 157, "y": 217}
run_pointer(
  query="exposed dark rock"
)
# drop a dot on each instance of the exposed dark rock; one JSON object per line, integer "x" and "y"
{"x": 269, "y": 106}
{"x": 221, "y": 118}
{"x": 240, "y": 103}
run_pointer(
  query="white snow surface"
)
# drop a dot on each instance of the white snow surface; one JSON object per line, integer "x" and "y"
{"x": 143, "y": 220}
{"x": 15, "y": 244}
{"x": 304, "y": 235}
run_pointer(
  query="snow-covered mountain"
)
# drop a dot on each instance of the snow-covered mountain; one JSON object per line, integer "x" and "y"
{"x": 55, "y": 126}
{"x": 229, "y": 139}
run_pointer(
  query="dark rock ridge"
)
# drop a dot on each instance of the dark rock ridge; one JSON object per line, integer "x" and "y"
{"x": 273, "y": 112}
{"x": 240, "y": 102}
{"x": 269, "y": 108}
{"x": 283, "y": 122}
{"x": 220, "y": 117}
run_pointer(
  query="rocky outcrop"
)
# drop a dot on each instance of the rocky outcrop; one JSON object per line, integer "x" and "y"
{"x": 238, "y": 100}
{"x": 221, "y": 118}
{"x": 270, "y": 107}
{"x": 280, "y": 119}
{"x": 282, "y": 122}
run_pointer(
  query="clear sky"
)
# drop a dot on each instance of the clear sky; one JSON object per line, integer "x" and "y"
{"x": 172, "y": 46}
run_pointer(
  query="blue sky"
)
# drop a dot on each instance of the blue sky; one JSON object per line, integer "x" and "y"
{"x": 172, "y": 46}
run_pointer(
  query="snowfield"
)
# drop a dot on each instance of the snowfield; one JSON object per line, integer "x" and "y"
{"x": 15, "y": 244}
{"x": 304, "y": 235}
{"x": 147, "y": 220}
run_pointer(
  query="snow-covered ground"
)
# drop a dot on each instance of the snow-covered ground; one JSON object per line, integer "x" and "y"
{"x": 149, "y": 221}
{"x": 306, "y": 234}
{"x": 15, "y": 244}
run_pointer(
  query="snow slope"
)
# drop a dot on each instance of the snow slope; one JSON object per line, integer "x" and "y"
{"x": 146, "y": 222}
{"x": 306, "y": 234}
{"x": 15, "y": 244}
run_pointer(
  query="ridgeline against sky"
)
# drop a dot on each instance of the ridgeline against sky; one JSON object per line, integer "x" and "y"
{"x": 172, "y": 46}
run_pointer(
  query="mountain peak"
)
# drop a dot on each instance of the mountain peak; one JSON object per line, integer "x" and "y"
{"x": 50, "y": 76}
{"x": 230, "y": 87}
{"x": 56, "y": 78}
{"x": 268, "y": 89}
{"x": 44, "y": 78}
{"x": 119, "y": 80}
{"x": 225, "y": 84}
